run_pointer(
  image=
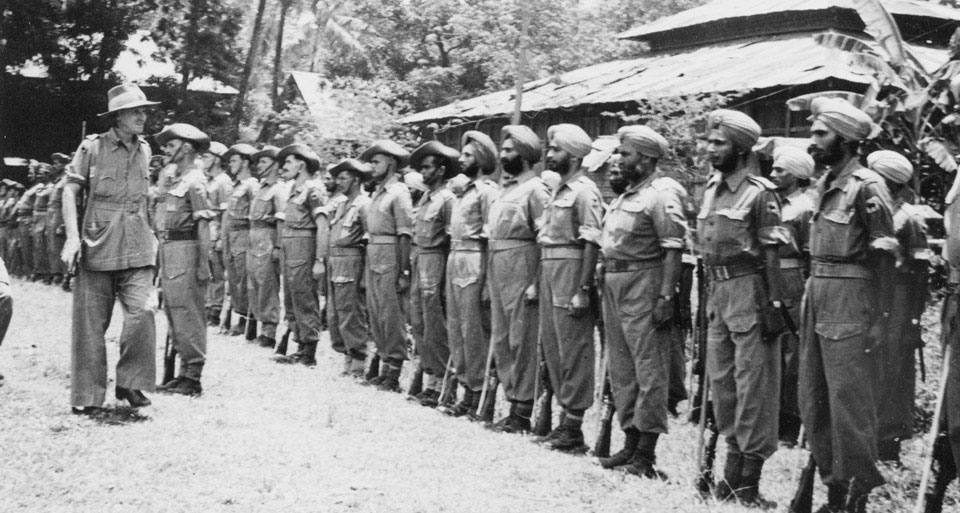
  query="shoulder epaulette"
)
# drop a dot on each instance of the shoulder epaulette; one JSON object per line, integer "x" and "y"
{"x": 867, "y": 175}
{"x": 762, "y": 182}
{"x": 714, "y": 179}
{"x": 665, "y": 183}
{"x": 92, "y": 137}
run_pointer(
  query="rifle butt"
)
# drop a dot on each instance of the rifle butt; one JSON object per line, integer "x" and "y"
{"x": 416, "y": 384}
{"x": 802, "y": 501}
{"x": 169, "y": 360}
{"x": 543, "y": 424}
{"x": 374, "y": 369}
{"x": 284, "y": 342}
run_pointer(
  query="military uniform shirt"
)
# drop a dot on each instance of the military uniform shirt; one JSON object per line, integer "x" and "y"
{"x": 795, "y": 213}
{"x": 42, "y": 199}
{"x": 573, "y": 214}
{"x": 515, "y": 213}
{"x": 468, "y": 219}
{"x": 346, "y": 227}
{"x": 268, "y": 201}
{"x": 306, "y": 202}
{"x": 390, "y": 211}
{"x": 238, "y": 206}
{"x": 55, "y": 208}
{"x": 644, "y": 221}
{"x": 186, "y": 202}
{"x": 432, "y": 219}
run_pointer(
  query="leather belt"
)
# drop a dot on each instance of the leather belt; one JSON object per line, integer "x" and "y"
{"x": 124, "y": 206}
{"x": 235, "y": 225}
{"x": 466, "y": 245}
{"x": 352, "y": 251}
{"x": 383, "y": 239}
{"x": 179, "y": 235}
{"x": 437, "y": 250}
{"x": 622, "y": 266}
{"x": 262, "y": 224}
{"x": 729, "y": 272}
{"x": 840, "y": 270}
{"x": 791, "y": 263}
{"x": 561, "y": 253}
{"x": 505, "y": 244}
{"x": 298, "y": 232}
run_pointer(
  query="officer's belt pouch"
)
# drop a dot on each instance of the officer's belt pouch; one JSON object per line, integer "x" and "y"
{"x": 344, "y": 270}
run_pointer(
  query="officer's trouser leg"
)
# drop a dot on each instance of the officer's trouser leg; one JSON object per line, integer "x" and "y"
{"x": 837, "y": 380}
{"x": 744, "y": 369}
{"x": 93, "y": 302}
{"x": 26, "y": 250}
{"x": 40, "y": 247}
{"x": 346, "y": 315}
{"x": 6, "y": 301}
{"x": 897, "y": 382}
{"x": 469, "y": 340}
{"x": 567, "y": 341}
{"x": 638, "y": 355}
{"x": 237, "y": 243}
{"x": 515, "y": 322}
{"x": 183, "y": 304}
{"x": 300, "y": 254}
{"x": 383, "y": 302}
{"x": 434, "y": 350}
{"x": 217, "y": 285}
{"x": 414, "y": 305}
{"x": 677, "y": 391}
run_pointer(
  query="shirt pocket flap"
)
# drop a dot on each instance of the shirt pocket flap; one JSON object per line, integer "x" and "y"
{"x": 839, "y": 330}
{"x": 736, "y": 214}
{"x": 632, "y": 206}
{"x": 566, "y": 202}
{"x": 742, "y": 323}
{"x": 838, "y": 216}
{"x": 178, "y": 191}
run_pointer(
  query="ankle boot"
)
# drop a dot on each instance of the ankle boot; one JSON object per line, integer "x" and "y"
{"x": 856, "y": 500}
{"x": 308, "y": 352}
{"x": 836, "y": 498}
{"x": 748, "y": 493}
{"x": 731, "y": 477}
{"x": 645, "y": 458}
{"x": 632, "y": 438}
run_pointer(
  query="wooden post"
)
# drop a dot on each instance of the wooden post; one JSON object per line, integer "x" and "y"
{"x": 521, "y": 64}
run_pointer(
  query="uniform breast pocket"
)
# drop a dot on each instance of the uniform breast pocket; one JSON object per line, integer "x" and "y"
{"x": 833, "y": 232}
{"x": 509, "y": 214}
{"x": 426, "y": 227}
{"x": 560, "y": 218}
{"x": 732, "y": 229}
{"x": 108, "y": 185}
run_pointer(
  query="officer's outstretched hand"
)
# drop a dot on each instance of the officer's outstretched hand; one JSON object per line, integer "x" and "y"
{"x": 69, "y": 254}
{"x": 319, "y": 272}
{"x": 579, "y": 303}
{"x": 403, "y": 284}
{"x": 530, "y": 296}
{"x": 663, "y": 313}
{"x": 878, "y": 330}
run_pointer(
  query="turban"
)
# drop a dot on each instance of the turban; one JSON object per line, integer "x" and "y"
{"x": 414, "y": 180}
{"x": 551, "y": 179}
{"x": 890, "y": 165}
{"x": 645, "y": 140}
{"x": 485, "y": 150}
{"x": 843, "y": 118}
{"x": 739, "y": 128}
{"x": 795, "y": 161}
{"x": 525, "y": 140}
{"x": 571, "y": 139}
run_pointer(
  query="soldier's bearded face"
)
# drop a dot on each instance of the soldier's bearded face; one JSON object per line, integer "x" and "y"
{"x": 617, "y": 183}
{"x": 558, "y": 160}
{"x": 328, "y": 182}
{"x": 721, "y": 152}
{"x": 468, "y": 161}
{"x": 826, "y": 147}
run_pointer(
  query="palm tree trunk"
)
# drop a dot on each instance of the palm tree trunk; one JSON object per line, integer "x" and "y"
{"x": 248, "y": 68}
{"x": 278, "y": 57}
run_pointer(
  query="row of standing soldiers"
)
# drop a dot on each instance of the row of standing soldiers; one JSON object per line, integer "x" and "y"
{"x": 31, "y": 223}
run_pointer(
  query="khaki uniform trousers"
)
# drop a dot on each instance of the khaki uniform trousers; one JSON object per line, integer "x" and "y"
{"x": 384, "y": 303}
{"x": 55, "y": 242}
{"x": 263, "y": 281}
{"x": 951, "y": 403}
{"x": 793, "y": 285}
{"x": 468, "y": 335}
{"x": 568, "y": 345}
{"x": 744, "y": 369}
{"x": 217, "y": 286}
{"x": 299, "y": 253}
{"x": 93, "y": 298}
{"x": 346, "y": 304}
{"x": 427, "y": 320}
{"x": 897, "y": 377}
{"x": 838, "y": 366}
{"x": 11, "y": 248}
{"x": 6, "y": 301}
{"x": 40, "y": 254}
{"x": 639, "y": 355}
{"x": 25, "y": 247}
{"x": 183, "y": 303}
{"x": 235, "y": 254}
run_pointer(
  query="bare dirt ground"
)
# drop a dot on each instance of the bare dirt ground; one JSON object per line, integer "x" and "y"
{"x": 267, "y": 437}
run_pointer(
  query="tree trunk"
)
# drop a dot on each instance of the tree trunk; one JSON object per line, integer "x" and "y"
{"x": 248, "y": 68}
{"x": 278, "y": 57}
{"x": 190, "y": 47}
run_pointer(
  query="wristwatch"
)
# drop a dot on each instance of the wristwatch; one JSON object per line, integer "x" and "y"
{"x": 665, "y": 297}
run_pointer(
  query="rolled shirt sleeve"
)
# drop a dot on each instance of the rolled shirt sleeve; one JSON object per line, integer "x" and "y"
{"x": 590, "y": 215}
{"x": 402, "y": 207}
{"x": 669, "y": 219}
{"x": 767, "y": 211}
{"x": 875, "y": 208}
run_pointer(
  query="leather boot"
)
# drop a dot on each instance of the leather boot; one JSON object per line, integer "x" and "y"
{"x": 463, "y": 407}
{"x": 748, "y": 493}
{"x": 569, "y": 437}
{"x": 856, "y": 500}
{"x": 214, "y": 316}
{"x": 643, "y": 462}
{"x": 836, "y": 498}
{"x": 731, "y": 477}
{"x": 308, "y": 355}
{"x": 391, "y": 379}
{"x": 239, "y": 328}
{"x": 632, "y": 438}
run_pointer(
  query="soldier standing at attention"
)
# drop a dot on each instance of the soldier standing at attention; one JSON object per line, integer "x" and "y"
{"x": 118, "y": 258}
{"x": 54, "y": 219}
{"x": 218, "y": 186}
{"x": 25, "y": 221}
{"x": 41, "y": 202}
{"x": 263, "y": 257}
{"x": 12, "y": 243}
{"x": 739, "y": 233}
{"x": 847, "y": 306}
{"x": 236, "y": 225}
{"x": 428, "y": 261}
{"x": 897, "y": 378}
{"x": 6, "y": 186}
{"x": 389, "y": 219}
{"x": 792, "y": 169}
{"x": 467, "y": 266}
{"x": 304, "y": 239}
{"x": 569, "y": 241}
{"x": 346, "y": 305}
{"x": 182, "y": 220}
{"x": 642, "y": 241}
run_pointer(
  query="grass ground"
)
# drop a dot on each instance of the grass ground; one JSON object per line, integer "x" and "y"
{"x": 266, "y": 437}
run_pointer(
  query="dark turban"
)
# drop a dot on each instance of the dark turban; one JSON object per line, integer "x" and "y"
{"x": 737, "y": 127}
{"x": 525, "y": 140}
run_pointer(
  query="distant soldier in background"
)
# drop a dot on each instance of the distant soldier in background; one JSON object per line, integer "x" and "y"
{"x": 346, "y": 304}
{"x": 6, "y": 305}
{"x": 218, "y": 187}
{"x": 54, "y": 220}
{"x": 41, "y": 202}
{"x": 897, "y": 378}
{"x": 792, "y": 170}
{"x": 263, "y": 257}
{"x": 25, "y": 221}
{"x": 428, "y": 261}
{"x": 389, "y": 225}
{"x": 569, "y": 239}
{"x": 236, "y": 225}
{"x": 6, "y": 185}
{"x": 12, "y": 242}
{"x": 182, "y": 220}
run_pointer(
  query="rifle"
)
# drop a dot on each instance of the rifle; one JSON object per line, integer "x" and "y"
{"x": 803, "y": 498}
{"x": 284, "y": 342}
{"x": 416, "y": 384}
{"x": 602, "y": 448}
{"x": 487, "y": 400}
{"x": 445, "y": 388}
{"x": 937, "y": 412}
{"x": 169, "y": 359}
{"x": 374, "y": 369}
{"x": 702, "y": 412}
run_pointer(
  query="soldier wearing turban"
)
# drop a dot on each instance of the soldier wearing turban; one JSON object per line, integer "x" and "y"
{"x": 569, "y": 243}
{"x": 518, "y": 143}
{"x": 848, "y": 304}
{"x": 478, "y": 153}
{"x": 897, "y": 377}
{"x": 739, "y": 233}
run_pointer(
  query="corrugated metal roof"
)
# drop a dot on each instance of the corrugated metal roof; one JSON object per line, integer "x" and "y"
{"x": 729, "y": 9}
{"x": 759, "y": 63}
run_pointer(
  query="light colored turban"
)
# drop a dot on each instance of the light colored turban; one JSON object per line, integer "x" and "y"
{"x": 571, "y": 139}
{"x": 736, "y": 126}
{"x": 795, "y": 161}
{"x": 890, "y": 165}
{"x": 551, "y": 179}
{"x": 414, "y": 180}
{"x": 525, "y": 141}
{"x": 486, "y": 150}
{"x": 645, "y": 140}
{"x": 843, "y": 118}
